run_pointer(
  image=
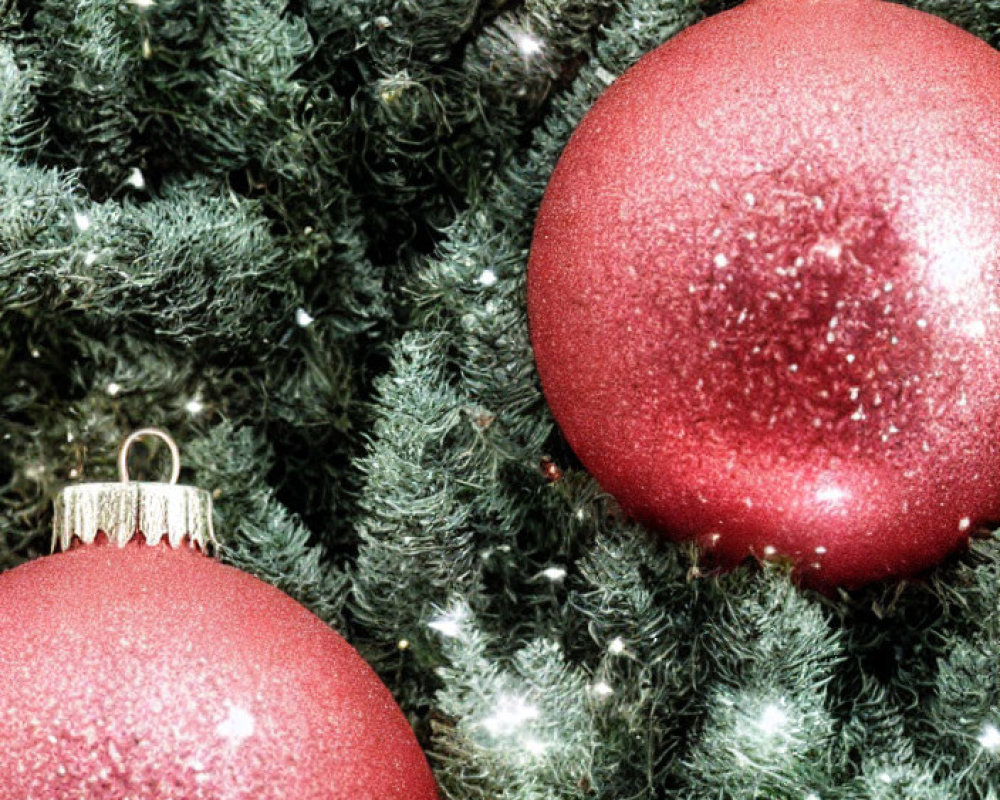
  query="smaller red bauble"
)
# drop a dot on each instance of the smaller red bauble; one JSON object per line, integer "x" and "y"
{"x": 153, "y": 672}
{"x": 764, "y": 287}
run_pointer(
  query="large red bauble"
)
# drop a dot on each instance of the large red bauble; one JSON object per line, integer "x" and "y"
{"x": 157, "y": 673}
{"x": 763, "y": 287}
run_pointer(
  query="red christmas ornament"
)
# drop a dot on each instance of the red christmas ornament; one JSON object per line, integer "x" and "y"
{"x": 763, "y": 288}
{"x": 150, "y": 671}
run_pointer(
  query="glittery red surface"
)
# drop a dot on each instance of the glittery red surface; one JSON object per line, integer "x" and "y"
{"x": 155, "y": 674}
{"x": 763, "y": 288}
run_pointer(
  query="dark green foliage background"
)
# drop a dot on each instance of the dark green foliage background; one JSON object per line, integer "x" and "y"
{"x": 295, "y": 234}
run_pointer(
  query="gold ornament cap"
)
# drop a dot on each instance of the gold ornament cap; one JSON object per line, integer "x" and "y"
{"x": 125, "y": 509}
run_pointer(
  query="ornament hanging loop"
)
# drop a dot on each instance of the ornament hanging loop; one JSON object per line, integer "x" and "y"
{"x": 132, "y": 438}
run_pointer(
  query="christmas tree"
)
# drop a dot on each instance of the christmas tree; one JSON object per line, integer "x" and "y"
{"x": 295, "y": 236}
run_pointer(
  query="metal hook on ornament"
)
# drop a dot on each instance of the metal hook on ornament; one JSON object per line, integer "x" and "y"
{"x": 132, "y": 438}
